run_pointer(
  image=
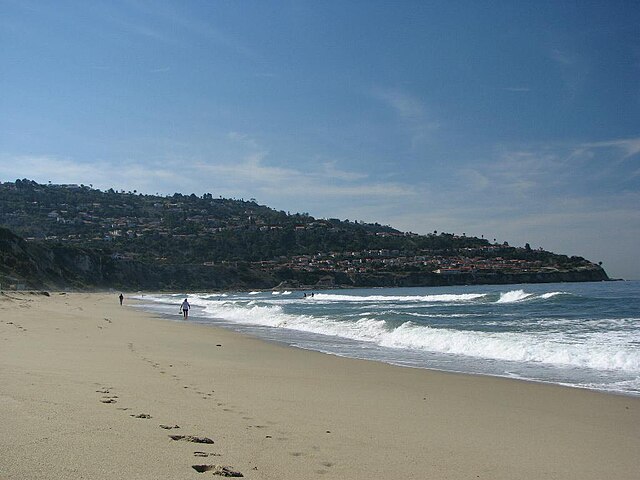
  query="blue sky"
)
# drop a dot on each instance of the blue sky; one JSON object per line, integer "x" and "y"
{"x": 518, "y": 121}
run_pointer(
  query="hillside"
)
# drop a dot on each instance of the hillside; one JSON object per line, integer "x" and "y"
{"x": 83, "y": 237}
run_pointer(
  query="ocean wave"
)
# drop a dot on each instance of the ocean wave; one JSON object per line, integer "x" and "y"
{"x": 600, "y": 351}
{"x": 439, "y": 315}
{"x": 513, "y": 296}
{"x": 465, "y": 297}
{"x": 595, "y": 351}
{"x": 553, "y": 294}
{"x": 516, "y": 296}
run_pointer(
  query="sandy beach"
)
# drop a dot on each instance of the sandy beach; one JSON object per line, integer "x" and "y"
{"x": 93, "y": 390}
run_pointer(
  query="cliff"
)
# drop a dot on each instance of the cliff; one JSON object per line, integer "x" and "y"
{"x": 61, "y": 267}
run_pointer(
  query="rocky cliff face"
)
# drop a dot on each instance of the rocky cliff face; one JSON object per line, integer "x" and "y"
{"x": 37, "y": 267}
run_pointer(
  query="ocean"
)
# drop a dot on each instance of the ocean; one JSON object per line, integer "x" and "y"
{"x": 584, "y": 335}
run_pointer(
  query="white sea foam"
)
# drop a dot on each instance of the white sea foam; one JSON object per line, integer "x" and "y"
{"x": 600, "y": 351}
{"x": 465, "y": 297}
{"x": 514, "y": 296}
{"x": 439, "y": 315}
{"x": 552, "y": 294}
{"x": 596, "y": 351}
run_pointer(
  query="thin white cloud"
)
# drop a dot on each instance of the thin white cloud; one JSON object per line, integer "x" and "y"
{"x": 251, "y": 174}
{"x": 404, "y": 104}
{"x": 631, "y": 146}
{"x": 411, "y": 111}
{"x": 330, "y": 170}
{"x": 175, "y": 16}
{"x": 562, "y": 57}
{"x": 244, "y": 139}
{"x": 474, "y": 179}
{"x": 247, "y": 176}
{"x": 572, "y": 67}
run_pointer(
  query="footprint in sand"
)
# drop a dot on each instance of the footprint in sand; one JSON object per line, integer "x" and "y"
{"x": 107, "y": 398}
{"x": 191, "y": 438}
{"x": 169, "y": 427}
{"x": 141, "y": 415}
{"x": 206, "y": 454}
{"x": 221, "y": 470}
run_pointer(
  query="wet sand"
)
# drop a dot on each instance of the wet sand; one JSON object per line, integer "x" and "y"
{"x": 93, "y": 390}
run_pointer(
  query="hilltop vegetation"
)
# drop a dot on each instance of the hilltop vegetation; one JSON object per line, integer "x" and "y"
{"x": 212, "y": 242}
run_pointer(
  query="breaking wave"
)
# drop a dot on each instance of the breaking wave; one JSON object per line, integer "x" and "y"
{"x": 400, "y": 298}
{"x": 572, "y": 334}
{"x": 600, "y": 351}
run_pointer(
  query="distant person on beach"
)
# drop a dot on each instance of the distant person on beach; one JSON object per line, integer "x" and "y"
{"x": 121, "y": 297}
{"x": 184, "y": 308}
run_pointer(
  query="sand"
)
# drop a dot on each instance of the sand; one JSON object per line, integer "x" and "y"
{"x": 89, "y": 389}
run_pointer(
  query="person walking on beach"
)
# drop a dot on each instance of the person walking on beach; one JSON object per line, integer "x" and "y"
{"x": 121, "y": 297}
{"x": 184, "y": 308}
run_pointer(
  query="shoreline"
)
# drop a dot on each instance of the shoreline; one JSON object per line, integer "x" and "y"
{"x": 293, "y": 328}
{"x": 169, "y": 318}
{"x": 272, "y": 410}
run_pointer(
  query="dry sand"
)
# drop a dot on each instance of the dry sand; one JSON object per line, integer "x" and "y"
{"x": 85, "y": 386}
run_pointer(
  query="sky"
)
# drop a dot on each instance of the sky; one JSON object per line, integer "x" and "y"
{"x": 518, "y": 121}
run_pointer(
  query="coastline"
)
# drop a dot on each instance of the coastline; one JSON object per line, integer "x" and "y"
{"x": 70, "y": 365}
